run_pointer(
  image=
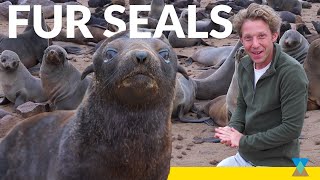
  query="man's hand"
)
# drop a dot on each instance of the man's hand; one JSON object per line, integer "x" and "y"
{"x": 223, "y": 133}
{"x": 229, "y": 136}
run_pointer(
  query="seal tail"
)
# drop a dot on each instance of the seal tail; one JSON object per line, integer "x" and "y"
{"x": 188, "y": 61}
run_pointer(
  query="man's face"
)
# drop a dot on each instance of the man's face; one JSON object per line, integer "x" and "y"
{"x": 258, "y": 40}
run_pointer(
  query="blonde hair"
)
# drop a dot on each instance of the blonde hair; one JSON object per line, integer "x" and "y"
{"x": 257, "y": 12}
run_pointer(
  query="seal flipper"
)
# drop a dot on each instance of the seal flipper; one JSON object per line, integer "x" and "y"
{"x": 88, "y": 70}
{"x": 204, "y": 43}
{"x": 4, "y": 101}
{"x": 184, "y": 119}
{"x": 183, "y": 72}
{"x": 20, "y": 98}
{"x": 188, "y": 61}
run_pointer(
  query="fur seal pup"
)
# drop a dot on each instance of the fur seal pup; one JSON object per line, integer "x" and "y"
{"x": 28, "y": 45}
{"x": 312, "y": 66}
{"x": 233, "y": 90}
{"x": 184, "y": 42}
{"x": 61, "y": 81}
{"x": 210, "y": 56}
{"x": 217, "y": 84}
{"x": 294, "y": 44}
{"x": 18, "y": 85}
{"x": 121, "y": 131}
{"x": 293, "y": 6}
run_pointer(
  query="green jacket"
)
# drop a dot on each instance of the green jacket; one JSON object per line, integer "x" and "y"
{"x": 271, "y": 116}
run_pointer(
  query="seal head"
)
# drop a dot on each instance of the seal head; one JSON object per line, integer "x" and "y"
{"x": 9, "y": 61}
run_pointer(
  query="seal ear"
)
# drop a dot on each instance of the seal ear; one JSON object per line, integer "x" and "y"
{"x": 183, "y": 72}
{"x": 87, "y": 71}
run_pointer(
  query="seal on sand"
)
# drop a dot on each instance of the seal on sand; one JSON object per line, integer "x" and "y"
{"x": 211, "y": 56}
{"x": 293, "y": 6}
{"x": 312, "y": 66}
{"x": 294, "y": 44}
{"x": 61, "y": 81}
{"x": 96, "y": 31}
{"x": 184, "y": 42}
{"x": 18, "y": 85}
{"x": 28, "y": 45}
{"x": 121, "y": 131}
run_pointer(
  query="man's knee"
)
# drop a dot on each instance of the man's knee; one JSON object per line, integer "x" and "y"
{"x": 229, "y": 161}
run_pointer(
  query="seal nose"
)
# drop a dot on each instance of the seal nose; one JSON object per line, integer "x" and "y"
{"x": 141, "y": 56}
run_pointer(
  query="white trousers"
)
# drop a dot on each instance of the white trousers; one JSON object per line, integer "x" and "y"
{"x": 233, "y": 161}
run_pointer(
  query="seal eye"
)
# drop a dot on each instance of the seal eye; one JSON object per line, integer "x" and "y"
{"x": 3, "y": 60}
{"x": 111, "y": 53}
{"x": 164, "y": 54}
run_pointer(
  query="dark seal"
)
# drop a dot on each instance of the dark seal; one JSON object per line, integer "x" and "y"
{"x": 121, "y": 131}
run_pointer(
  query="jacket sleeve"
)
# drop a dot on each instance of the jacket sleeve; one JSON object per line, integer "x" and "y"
{"x": 237, "y": 120}
{"x": 293, "y": 98}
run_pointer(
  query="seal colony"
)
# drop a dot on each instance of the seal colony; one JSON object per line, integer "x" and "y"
{"x": 121, "y": 131}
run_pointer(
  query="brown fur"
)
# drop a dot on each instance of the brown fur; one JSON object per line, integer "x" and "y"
{"x": 217, "y": 110}
{"x": 61, "y": 81}
{"x": 122, "y": 130}
{"x": 312, "y": 67}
